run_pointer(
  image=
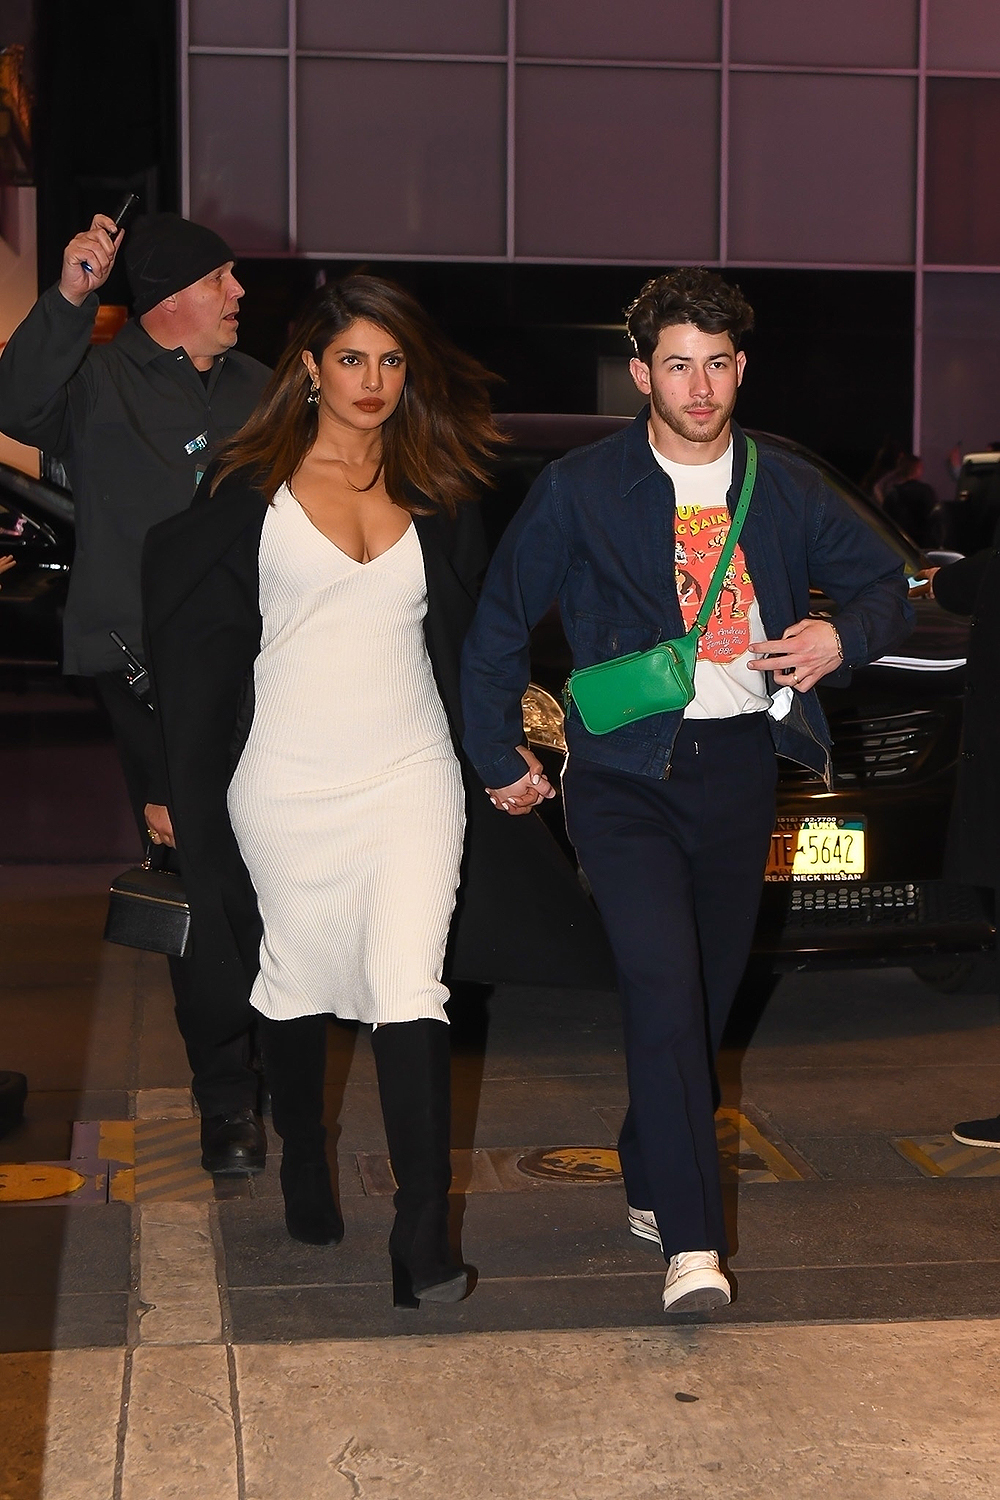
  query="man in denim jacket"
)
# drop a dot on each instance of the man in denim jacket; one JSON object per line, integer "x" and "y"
{"x": 671, "y": 816}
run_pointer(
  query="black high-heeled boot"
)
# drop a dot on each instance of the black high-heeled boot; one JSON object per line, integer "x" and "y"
{"x": 413, "y": 1063}
{"x": 294, "y": 1066}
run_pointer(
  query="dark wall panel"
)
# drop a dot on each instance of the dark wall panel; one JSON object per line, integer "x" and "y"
{"x": 239, "y": 158}
{"x": 964, "y": 34}
{"x": 963, "y": 171}
{"x": 852, "y": 33}
{"x": 401, "y": 157}
{"x": 449, "y": 26}
{"x": 617, "y": 164}
{"x": 822, "y": 169}
{"x": 673, "y": 30}
{"x": 234, "y": 23}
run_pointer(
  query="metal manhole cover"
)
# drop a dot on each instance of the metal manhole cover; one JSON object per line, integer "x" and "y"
{"x": 571, "y": 1164}
{"x": 31, "y": 1182}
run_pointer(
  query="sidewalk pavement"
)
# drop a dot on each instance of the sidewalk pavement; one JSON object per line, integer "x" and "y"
{"x": 165, "y": 1340}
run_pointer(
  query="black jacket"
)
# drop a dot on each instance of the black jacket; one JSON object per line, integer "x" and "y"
{"x": 135, "y": 425}
{"x": 972, "y": 587}
{"x": 522, "y": 916}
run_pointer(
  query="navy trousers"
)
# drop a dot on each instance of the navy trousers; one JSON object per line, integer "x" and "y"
{"x": 676, "y": 868}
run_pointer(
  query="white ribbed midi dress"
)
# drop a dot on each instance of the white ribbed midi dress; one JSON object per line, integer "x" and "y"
{"x": 347, "y": 802}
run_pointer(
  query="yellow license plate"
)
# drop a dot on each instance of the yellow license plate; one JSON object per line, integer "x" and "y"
{"x": 817, "y": 849}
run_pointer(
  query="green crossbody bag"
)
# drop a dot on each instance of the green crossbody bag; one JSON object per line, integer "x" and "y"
{"x": 661, "y": 680}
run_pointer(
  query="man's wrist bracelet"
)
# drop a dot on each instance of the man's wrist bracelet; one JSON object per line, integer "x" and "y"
{"x": 838, "y": 641}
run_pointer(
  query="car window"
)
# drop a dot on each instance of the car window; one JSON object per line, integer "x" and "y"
{"x": 866, "y": 509}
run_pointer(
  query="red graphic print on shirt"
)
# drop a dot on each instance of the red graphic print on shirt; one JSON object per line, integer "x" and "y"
{"x": 699, "y": 535}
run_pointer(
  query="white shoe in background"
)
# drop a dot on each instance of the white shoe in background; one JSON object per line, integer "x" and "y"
{"x": 642, "y": 1223}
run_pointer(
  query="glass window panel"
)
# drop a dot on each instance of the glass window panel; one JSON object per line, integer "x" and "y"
{"x": 404, "y": 26}
{"x": 239, "y": 149}
{"x": 854, "y": 33}
{"x": 616, "y": 164}
{"x": 822, "y": 169}
{"x": 234, "y": 23}
{"x": 962, "y": 215}
{"x": 424, "y": 177}
{"x": 964, "y": 34}
{"x": 961, "y": 370}
{"x": 642, "y": 30}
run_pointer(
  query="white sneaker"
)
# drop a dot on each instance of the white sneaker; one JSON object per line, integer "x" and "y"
{"x": 642, "y": 1223}
{"x": 694, "y": 1282}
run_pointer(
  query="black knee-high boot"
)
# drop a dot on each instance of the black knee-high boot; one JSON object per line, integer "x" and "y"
{"x": 413, "y": 1062}
{"x": 294, "y": 1066}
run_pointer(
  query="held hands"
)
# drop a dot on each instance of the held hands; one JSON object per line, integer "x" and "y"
{"x": 924, "y": 588}
{"x": 521, "y": 796}
{"x": 158, "y": 824}
{"x": 98, "y": 247}
{"x": 806, "y": 652}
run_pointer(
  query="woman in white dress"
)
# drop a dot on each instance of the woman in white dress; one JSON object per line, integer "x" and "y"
{"x": 349, "y": 487}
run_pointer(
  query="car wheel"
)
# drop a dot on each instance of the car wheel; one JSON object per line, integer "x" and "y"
{"x": 13, "y": 1092}
{"x": 961, "y": 973}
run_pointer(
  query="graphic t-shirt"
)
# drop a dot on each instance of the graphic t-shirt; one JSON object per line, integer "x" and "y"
{"x": 724, "y": 683}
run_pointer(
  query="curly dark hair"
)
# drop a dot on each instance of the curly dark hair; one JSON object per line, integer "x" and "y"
{"x": 690, "y": 295}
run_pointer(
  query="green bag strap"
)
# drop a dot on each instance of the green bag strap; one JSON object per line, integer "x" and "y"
{"x": 726, "y": 555}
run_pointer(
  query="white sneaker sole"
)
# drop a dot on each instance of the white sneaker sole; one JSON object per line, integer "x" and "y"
{"x": 964, "y": 1140}
{"x": 698, "y": 1299}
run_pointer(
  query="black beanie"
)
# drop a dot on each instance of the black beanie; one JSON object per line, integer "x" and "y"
{"x": 164, "y": 253}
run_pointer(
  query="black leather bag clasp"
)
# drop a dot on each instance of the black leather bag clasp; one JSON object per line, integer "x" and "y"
{"x": 148, "y": 909}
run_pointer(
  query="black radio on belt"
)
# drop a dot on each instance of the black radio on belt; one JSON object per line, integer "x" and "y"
{"x": 135, "y": 673}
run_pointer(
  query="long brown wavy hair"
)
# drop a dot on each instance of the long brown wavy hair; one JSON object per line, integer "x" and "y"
{"x": 437, "y": 442}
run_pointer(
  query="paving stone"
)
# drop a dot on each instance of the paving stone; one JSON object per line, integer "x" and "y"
{"x": 62, "y": 1248}
{"x": 181, "y": 1440}
{"x": 178, "y": 1285}
{"x": 859, "y": 1294}
{"x": 801, "y": 1224}
{"x": 58, "y": 1420}
{"x": 897, "y": 1100}
{"x": 164, "y": 1104}
{"x": 51, "y": 1320}
{"x": 754, "y": 1414}
{"x": 868, "y": 1157}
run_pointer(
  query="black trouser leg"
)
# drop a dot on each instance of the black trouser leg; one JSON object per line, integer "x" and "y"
{"x": 413, "y": 1063}
{"x": 676, "y": 868}
{"x": 295, "y": 1066}
{"x": 224, "y": 1081}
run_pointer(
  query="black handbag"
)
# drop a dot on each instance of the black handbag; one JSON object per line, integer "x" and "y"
{"x": 148, "y": 909}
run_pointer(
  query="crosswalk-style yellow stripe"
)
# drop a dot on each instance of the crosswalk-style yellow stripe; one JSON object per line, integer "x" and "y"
{"x": 943, "y": 1156}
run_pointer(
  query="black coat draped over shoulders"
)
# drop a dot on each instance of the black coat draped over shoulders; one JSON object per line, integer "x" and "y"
{"x": 521, "y": 916}
{"x": 972, "y": 587}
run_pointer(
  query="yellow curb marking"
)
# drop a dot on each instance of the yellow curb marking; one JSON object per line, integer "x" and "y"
{"x": 26, "y": 1182}
{"x": 168, "y": 1162}
{"x": 748, "y": 1154}
{"x": 116, "y": 1141}
{"x": 942, "y": 1156}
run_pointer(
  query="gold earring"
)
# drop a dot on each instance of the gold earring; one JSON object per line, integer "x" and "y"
{"x": 313, "y": 397}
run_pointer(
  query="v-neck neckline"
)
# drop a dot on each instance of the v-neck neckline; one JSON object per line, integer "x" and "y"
{"x": 357, "y": 563}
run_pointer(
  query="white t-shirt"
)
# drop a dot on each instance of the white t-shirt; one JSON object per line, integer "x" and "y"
{"x": 724, "y": 683}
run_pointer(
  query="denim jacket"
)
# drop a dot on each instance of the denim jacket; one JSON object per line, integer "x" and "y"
{"x": 596, "y": 532}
